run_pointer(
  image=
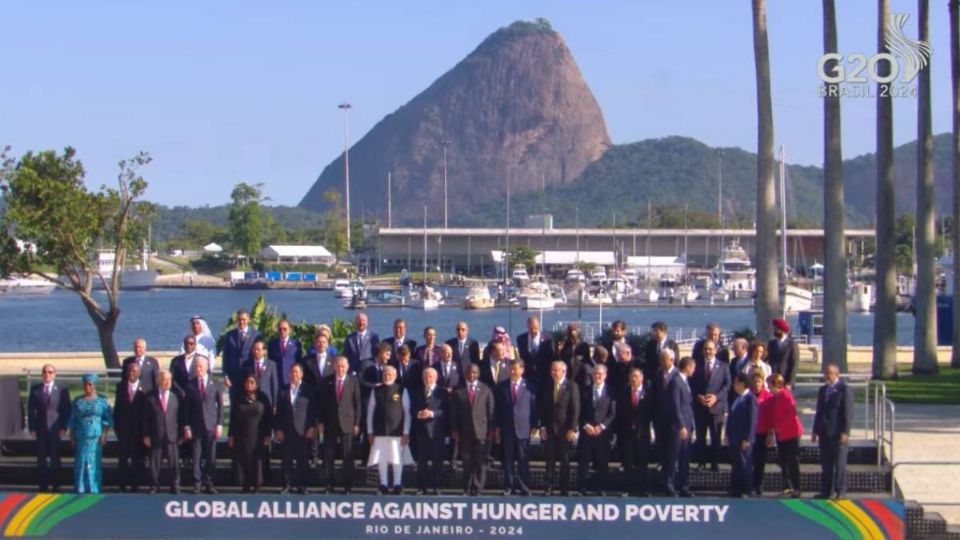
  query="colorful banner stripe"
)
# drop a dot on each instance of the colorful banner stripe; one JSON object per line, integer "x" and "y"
{"x": 34, "y": 515}
{"x": 853, "y": 520}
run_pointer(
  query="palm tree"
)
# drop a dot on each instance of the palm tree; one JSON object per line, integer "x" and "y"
{"x": 925, "y": 337}
{"x": 767, "y": 304}
{"x": 955, "y": 233}
{"x": 885, "y": 315}
{"x": 834, "y": 283}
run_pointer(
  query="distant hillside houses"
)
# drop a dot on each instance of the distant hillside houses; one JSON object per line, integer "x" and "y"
{"x": 297, "y": 254}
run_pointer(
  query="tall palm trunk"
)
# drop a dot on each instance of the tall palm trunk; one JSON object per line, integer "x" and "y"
{"x": 925, "y": 337}
{"x": 767, "y": 302}
{"x": 835, "y": 282}
{"x": 885, "y": 315}
{"x": 955, "y": 233}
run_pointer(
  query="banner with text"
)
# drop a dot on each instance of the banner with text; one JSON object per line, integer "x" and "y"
{"x": 369, "y": 517}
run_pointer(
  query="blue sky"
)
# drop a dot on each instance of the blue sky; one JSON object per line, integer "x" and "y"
{"x": 245, "y": 91}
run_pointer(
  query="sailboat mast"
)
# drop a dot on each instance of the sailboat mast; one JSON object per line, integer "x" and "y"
{"x": 424, "y": 246}
{"x": 783, "y": 212}
{"x": 720, "y": 205}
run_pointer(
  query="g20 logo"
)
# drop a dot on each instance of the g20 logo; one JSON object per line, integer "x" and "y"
{"x": 850, "y": 69}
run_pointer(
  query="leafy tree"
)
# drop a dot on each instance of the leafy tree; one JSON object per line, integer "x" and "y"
{"x": 522, "y": 255}
{"x": 49, "y": 206}
{"x": 247, "y": 219}
{"x": 264, "y": 317}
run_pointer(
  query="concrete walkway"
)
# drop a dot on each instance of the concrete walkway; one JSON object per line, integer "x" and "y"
{"x": 929, "y": 433}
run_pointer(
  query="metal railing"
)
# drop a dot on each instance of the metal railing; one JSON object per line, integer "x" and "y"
{"x": 893, "y": 478}
{"x": 856, "y": 381}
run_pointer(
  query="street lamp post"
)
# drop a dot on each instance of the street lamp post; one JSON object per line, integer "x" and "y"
{"x": 345, "y": 107}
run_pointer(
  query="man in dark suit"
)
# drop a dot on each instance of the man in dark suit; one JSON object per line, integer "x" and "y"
{"x": 164, "y": 424}
{"x": 617, "y": 340}
{"x": 265, "y": 371}
{"x": 741, "y": 429}
{"x": 128, "y": 414}
{"x": 466, "y": 350}
{"x": 181, "y": 366}
{"x": 711, "y": 333}
{"x": 537, "y": 352}
{"x": 340, "y": 420}
{"x": 598, "y": 410}
{"x": 149, "y": 367}
{"x": 471, "y": 426}
{"x": 409, "y": 373}
{"x": 619, "y": 368}
{"x": 559, "y": 406}
{"x": 633, "y": 431}
{"x": 399, "y": 339}
{"x": 236, "y": 351}
{"x": 656, "y": 343}
{"x": 681, "y": 426}
{"x": 285, "y": 351}
{"x": 710, "y": 385}
{"x": 429, "y": 409}
{"x": 831, "y": 428}
{"x": 783, "y": 354}
{"x": 204, "y": 424}
{"x": 663, "y": 404}
{"x": 449, "y": 375}
{"x": 494, "y": 370}
{"x": 361, "y": 345}
{"x": 48, "y": 411}
{"x": 319, "y": 362}
{"x": 516, "y": 420}
{"x": 296, "y": 421}
{"x": 428, "y": 353}
{"x": 739, "y": 357}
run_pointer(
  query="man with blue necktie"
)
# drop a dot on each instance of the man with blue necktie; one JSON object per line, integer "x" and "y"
{"x": 236, "y": 351}
{"x": 360, "y": 345}
{"x": 597, "y": 412}
{"x": 516, "y": 420}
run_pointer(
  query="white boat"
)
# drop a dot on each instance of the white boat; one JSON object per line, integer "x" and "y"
{"x": 718, "y": 294}
{"x": 686, "y": 293}
{"x": 574, "y": 276}
{"x": 520, "y": 275}
{"x": 537, "y": 295}
{"x": 796, "y": 299}
{"x": 648, "y": 293}
{"x": 342, "y": 289}
{"x": 599, "y": 273}
{"x": 735, "y": 273}
{"x": 860, "y": 297}
{"x": 629, "y": 275}
{"x": 138, "y": 277}
{"x": 426, "y": 298}
{"x": 667, "y": 286}
{"x": 16, "y": 286}
{"x": 597, "y": 297}
{"x": 478, "y": 298}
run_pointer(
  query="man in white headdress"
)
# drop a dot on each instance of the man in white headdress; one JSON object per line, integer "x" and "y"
{"x": 206, "y": 345}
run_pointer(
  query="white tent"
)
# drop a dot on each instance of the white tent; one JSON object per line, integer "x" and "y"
{"x": 298, "y": 254}
{"x": 212, "y": 247}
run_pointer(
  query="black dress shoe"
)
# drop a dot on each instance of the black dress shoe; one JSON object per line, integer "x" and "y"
{"x": 397, "y": 490}
{"x": 383, "y": 490}
{"x": 435, "y": 491}
{"x": 821, "y": 496}
{"x": 347, "y": 491}
{"x": 152, "y": 491}
{"x": 135, "y": 489}
{"x": 175, "y": 490}
{"x": 601, "y": 493}
{"x": 196, "y": 490}
{"x": 685, "y": 494}
{"x": 715, "y": 468}
{"x": 670, "y": 493}
{"x": 548, "y": 492}
{"x": 303, "y": 491}
{"x": 257, "y": 489}
{"x": 210, "y": 489}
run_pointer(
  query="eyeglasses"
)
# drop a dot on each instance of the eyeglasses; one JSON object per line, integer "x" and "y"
{"x": 50, "y": 371}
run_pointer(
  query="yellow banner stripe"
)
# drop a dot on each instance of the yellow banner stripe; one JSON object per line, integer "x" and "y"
{"x": 864, "y": 523}
{"x": 18, "y": 525}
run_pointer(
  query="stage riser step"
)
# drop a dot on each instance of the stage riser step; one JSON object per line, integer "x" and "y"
{"x": 858, "y": 454}
{"x": 864, "y": 481}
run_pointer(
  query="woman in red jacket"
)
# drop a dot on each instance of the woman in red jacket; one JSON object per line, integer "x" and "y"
{"x": 788, "y": 431}
{"x": 759, "y": 390}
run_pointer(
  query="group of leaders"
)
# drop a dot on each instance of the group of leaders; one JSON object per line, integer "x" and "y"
{"x": 395, "y": 403}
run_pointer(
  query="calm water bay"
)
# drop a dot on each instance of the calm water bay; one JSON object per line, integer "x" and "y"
{"x": 58, "y": 322}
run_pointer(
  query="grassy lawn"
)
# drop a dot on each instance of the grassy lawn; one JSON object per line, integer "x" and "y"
{"x": 943, "y": 388}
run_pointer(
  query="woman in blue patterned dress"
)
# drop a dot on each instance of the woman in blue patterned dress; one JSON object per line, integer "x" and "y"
{"x": 90, "y": 419}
